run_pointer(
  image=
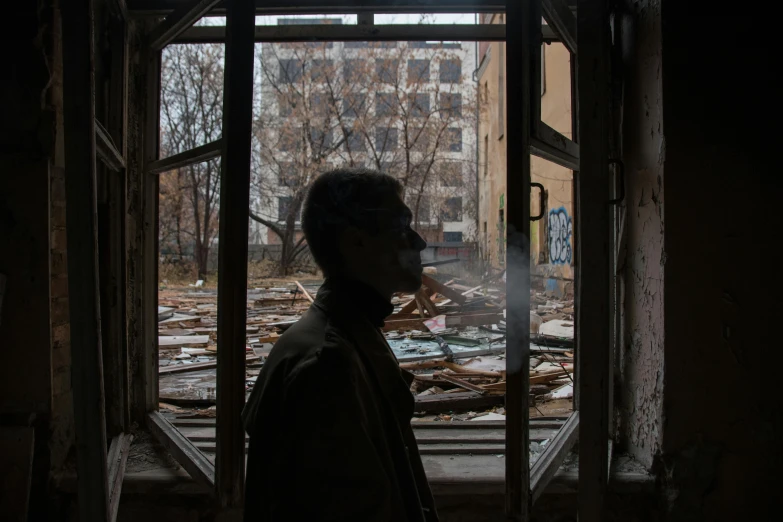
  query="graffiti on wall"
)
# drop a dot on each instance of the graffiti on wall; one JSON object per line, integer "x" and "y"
{"x": 559, "y": 237}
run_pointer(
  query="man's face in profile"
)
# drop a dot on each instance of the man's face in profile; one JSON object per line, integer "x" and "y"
{"x": 395, "y": 251}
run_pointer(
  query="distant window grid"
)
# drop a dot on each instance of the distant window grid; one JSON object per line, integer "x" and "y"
{"x": 450, "y": 71}
{"x": 418, "y": 71}
{"x": 287, "y": 176}
{"x": 385, "y": 104}
{"x": 423, "y": 215}
{"x": 386, "y": 70}
{"x": 452, "y": 237}
{"x": 321, "y": 139}
{"x": 355, "y": 142}
{"x": 450, "y": 105}
{"x": 319, "y": 69}
{"x": 451, "y": 211}
{"x": 288, "y": 141}
{"x": 283, "y": 205}
{"x": 454, "y": 137}
{"x": 286, "y": 103}
{"x": 290, "y": 71}
{"x": 451, "y": 174}
{"x": 353, "y": 70}
{"x": 320, "y": 102}
{"x": 353, "y": 105}
{"x": 385, "y": 138}
{"x": 418, "y": 105}
{"x": 418, "y": 139}
{"x": 364, "y": 45}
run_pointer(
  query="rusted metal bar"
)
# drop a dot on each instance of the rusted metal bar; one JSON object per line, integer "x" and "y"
{"x": 81, "y": 216}
{"x": 232, "y": 249}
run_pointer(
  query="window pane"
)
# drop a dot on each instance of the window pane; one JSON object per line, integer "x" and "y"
{"x": 290, "y": 71}
{"x": 321, "y": 139}
{"x": 385, "y": 138}
{"x": 386, "y": 70}
{"x": 418, "y": 71}
{"x": 354, "y": 70}
{"x": 287, "y": 176}
{"x": 419, "y": 206}
{"x": 418, "y": 105}
{"x": 354, "y": 105}
{"x": 455, "y": 140}
{"x": 451, "y": 70}
{"x": 288, "y": 140}
{"x": 355, "y": 142}
{"x": 284, "y": 208}
{"x": 450, "y": 105}
{"x": 321, "y": 69}
{"x": 385, "y": 104}
{"x": 320, "y": 103}
{"x": 370, "y": 45}
{"x": 451, "y": 210}
{"x": 450, "y": 174}
{"x": 452, "y": 237}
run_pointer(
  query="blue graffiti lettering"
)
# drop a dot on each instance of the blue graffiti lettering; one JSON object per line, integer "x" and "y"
{"x": 559, "y": 236}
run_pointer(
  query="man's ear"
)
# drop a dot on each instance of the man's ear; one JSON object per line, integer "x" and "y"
{"x": 350, "y": 239}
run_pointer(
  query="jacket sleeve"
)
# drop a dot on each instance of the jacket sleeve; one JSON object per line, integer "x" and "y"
{"x": 340, "y": 476}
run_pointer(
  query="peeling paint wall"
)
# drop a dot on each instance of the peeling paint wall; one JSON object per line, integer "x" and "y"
{"x": 641, "y": 351}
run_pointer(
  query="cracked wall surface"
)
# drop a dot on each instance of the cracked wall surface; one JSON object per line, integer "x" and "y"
{"x": 642, "y": 266}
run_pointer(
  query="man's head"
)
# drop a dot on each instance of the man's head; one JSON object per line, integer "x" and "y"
{"x": 357, "y": 226}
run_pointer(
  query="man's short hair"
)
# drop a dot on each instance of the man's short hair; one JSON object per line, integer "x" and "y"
{"x": 338, "y": 199}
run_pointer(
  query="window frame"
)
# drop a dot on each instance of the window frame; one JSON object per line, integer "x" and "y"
{"x": 523, "y": 129}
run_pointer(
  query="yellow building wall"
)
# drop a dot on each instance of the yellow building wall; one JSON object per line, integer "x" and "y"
{"x": 551, "y": 238}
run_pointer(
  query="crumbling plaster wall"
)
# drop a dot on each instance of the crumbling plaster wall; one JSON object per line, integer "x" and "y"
{"x": 641, "y": 262}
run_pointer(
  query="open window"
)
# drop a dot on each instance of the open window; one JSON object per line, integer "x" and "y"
{"x": 213, "y": 451}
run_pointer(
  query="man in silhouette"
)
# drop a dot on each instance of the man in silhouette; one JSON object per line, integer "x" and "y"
{"x": 329, "y": 416}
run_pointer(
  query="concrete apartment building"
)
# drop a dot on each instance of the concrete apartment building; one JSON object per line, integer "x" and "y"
{"x": 446, "y": 209}
{"x": 551, "y": 237}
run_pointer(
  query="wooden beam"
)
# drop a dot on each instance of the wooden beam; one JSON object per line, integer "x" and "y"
{"x": 107, "y": 151}
{"x": 189, "y": 157}
{"x": 178, "y": 21}
{"x": 183, "y": 451}
{"x": 549, "y": 144}
{"x": 232, "y": 250}
{"x": 594, "y": 277}
{"x": 559, "y": 16}
{"x": 81, "y": 216}
{"x": 118, "y": 457}
{"x": 347, "y": 33}
{"x": 545, "y": 468}
{"x": 523, "y": 40}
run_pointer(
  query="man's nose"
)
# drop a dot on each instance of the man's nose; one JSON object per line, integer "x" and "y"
{"x": 417, "y": 241}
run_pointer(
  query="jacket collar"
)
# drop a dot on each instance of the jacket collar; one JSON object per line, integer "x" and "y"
{"x": 358, "y": 310}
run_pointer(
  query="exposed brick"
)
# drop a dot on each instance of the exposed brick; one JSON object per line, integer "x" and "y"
{"x": 59, "y": 240}
{"x": 59, "y": 310}
{"x": 59, "y": 287}
{"x": 62, "y": 333}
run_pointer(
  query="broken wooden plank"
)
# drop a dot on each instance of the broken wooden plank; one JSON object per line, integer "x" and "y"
{"x": 456, "y": 401}
{"x": 473, "y": 319}
{"x": 117, "y": 458}
{"x": 305, "y": 292}
{"x": 461, "y": 383}
{"x": 168, "y": 342}
{"x": 184, "y": 368}
{"x": 443, "y": 290}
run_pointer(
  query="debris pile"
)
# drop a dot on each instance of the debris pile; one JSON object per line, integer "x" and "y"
{"x": 450, "y": 335}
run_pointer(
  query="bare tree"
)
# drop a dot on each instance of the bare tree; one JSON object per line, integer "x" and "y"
{"x": 191, "y": 115}
{"x": 378, "y": 105}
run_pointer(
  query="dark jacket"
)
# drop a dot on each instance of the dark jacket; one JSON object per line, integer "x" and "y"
{"x": 329, "y": 421}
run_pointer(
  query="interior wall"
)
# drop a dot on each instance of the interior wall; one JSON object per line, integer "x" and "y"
{"x": 722, "y": 442}
{"x": 641, "y": 262}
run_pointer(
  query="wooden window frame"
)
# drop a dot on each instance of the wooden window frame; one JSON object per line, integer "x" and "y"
{"x": 226, "y": 477}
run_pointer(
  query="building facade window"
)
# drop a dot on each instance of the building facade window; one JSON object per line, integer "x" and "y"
{"x": 420, "y": 206}
{"x": 290, "y": 71}
{"x": 354, "y": 142}
{"x": 287, "y": 175}
{"x": 450, "y": 105}
{"x": 385, "y": 138}
{"x": 321, "y": 139}
{"x": 451, "y": 174}
{"x": 386, "y": 70}
{"x": 418, "y": 71}
{"x": 353, "y": 70}
{"x": 454, "y": 137}
{"x": 385, "y": 104}
{"x": 320, "y": 69}
{"x": 354, "y": 105}
{"x": 451, "y": 71}
{"x": 284, "y": 206}
{"x": 452, "y": 237}
{"x": 418, "y": 105}
{"x": 451, "y": 211}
